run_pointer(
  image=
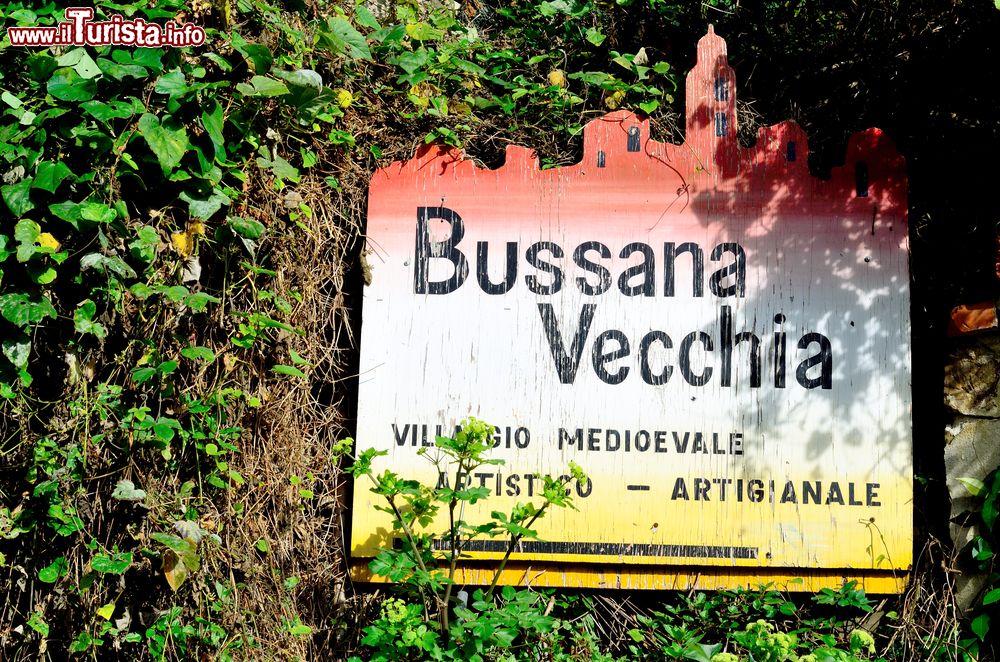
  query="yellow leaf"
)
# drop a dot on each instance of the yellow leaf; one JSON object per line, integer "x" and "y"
{"x": 344, "y": 98}
{"x": 614, "y": 100}
{"x": 106, "y": 611}
{"x": 557, "y": 78}
{"x": 46, "y": 240}
{"x": 182, "y": 243}
{"x": 196, "y": 228}
{"x": 225, "y": 13}
{"x": 174, "y": 571}
{"x": 425, "y": 90}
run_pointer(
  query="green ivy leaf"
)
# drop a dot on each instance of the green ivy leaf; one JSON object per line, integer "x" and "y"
{"x": 51, "y": 573}
{"x": 50, "y": 175}
{"x": 125, "y": 490}
{"x": 67, "y": 84}
{"x": 20, "y": 310}
{"x": 167, "y": 367}
{"x": 143, "y": 375}
{"x": 212, "y": 120}
{"x": 423, "y": 31}
{"x": 172, "y": 84}
{"x": 168, "y": 140}
{"x": 80, "y": 61}
{"x": 87, "y": 68}
{"x": 595, "y": 36}
{"x": 37, "y": 623}
{"x": 204, "y": 208}
{"x": 700, "y": 652}
{"x": 306, "y": 78}
{"x": 67, "y": 211}
{"x": 98, "y": 212}
{"x": 5, "y": 250}
{"x": 106, "y": 264}
{"x": 82, "y": 643}
{"x": 412, "y": 61}
{"x": 288, "y": 370}
{"x": 300, "y": 630}
{"x": 17, "y": 351}
{"x": 27, "y": 232}
{"x": 249, "y": 228}
{"x": 262, "y": 86}
{"x": 281, "y": 168}
{"x": 175, "y": 293}
{"x": 568, "y": 7}
{"x": 144, "y": 246}
{"x": 42, "y": 274}
{"x": 151, "y": 58}
{"x": 199, "y": 301}
{"x": 142, "y": 291}
{"x": 593, "y": 77}
{"x": 181, "y": 546}
{"x": 259, "y": 57}
{"x": 119, "y": 71}
{"x": 41, "y": 66}
{"x": 165, "y": 429}
{"x": 113, "y": 109}
{"x": 649, "y": 106}
{"x": 991, "y": 502}
{"x": 64, "y": 523}
{"x": 297, "y": 358}
{"x": 342, "y": 38}
{"x": 198, "y": 352}
{"x": 83, "y": 318}
{"x": 111, "y": 564}
{"x": 367, "y": 20}
{"x": 981, "y": 626}
{"x": 82, "y": 215}
{"x": 17, "y": 197}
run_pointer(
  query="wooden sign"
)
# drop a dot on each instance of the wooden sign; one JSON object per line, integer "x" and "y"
{"x": 720, "y": 340}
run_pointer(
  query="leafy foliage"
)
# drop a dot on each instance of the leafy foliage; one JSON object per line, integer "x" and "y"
{"x": 430, "y": 572}
{"x": 156, "y": 198}
{"x": 743, "y": 625}
{"x": 156, "y": 207}
{"x": 980, "y": 554}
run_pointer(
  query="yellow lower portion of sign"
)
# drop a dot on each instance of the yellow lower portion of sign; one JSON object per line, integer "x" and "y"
{"x": 859, "y": 534}
{"x": 551, "y": 575}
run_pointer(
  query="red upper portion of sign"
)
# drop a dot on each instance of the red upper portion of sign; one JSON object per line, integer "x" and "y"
{"x": 709, "y": 171}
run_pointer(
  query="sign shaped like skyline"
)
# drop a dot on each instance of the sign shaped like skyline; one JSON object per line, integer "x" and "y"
{"x": 719, "y": 339}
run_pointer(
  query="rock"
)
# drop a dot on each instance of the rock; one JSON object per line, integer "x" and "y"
{"x": 972, "y": 451}
{"x": 970, "y": 378}
{"x": 968, "y": 587}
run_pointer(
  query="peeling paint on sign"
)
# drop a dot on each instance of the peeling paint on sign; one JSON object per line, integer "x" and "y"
{"x": 719, "y": 339}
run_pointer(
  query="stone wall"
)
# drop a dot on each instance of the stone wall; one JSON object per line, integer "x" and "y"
{"x": 972, "y": 440}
